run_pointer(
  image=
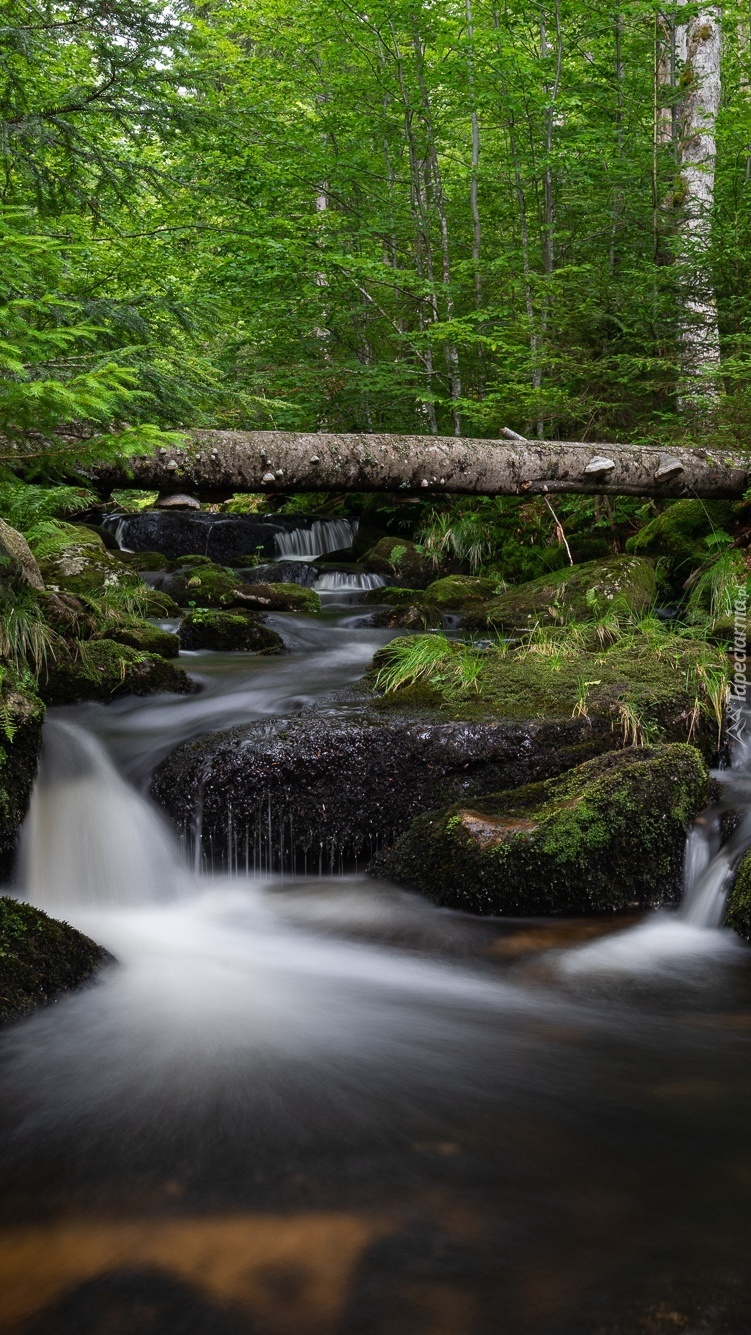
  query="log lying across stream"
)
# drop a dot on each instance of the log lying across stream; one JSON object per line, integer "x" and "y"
{"x": 289, "y": 461}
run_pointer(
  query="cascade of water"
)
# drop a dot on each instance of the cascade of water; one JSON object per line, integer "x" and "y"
{"x": 347, "y": 581}
{"x": 709, "y": 865}
{"x": 89, "y": 839}
{"x": 324, "y": 535}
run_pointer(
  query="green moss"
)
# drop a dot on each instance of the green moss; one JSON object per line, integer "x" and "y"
{"x": 142, "y": 635}
{"x": 574, "y": 593}
{"x": 394, "y": 596}
{"x": 738, "y": 910}
{"x": 279, "y": 598}
{"x": 103, "y": 670}
{"x": 401, "y": 559}
{"x": 680, "y": 530}
{"x": 83, "y": 570}
{"x": 21, "y": 718}
{"x": 414, "y": 616}
{"x": 145, "y": 560}
{"x": 607, "y": 835}
{"x": 40, "y": 958}
{"x": 227, "y": 632}
{"x": 660, "y": 683}
{"x": 458, "y": 591}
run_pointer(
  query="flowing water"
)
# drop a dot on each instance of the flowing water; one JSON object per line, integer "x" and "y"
{"x": 326, "y": 1107}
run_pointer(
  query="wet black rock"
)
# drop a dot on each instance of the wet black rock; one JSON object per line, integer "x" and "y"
{"x": 224, "y": 538}
{"x": 21, "y": 718}
{"x": 313, "y": 788}
{"x": 280, "y": 572}
{"x": 40, "y": 958}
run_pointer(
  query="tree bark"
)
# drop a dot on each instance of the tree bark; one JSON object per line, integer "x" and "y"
{"x": 287, "y": 461}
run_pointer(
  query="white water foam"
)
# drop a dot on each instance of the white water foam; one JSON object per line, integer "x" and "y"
{"x": 323, "y": 536}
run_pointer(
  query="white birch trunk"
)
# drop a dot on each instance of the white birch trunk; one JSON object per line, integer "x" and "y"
{"x": 698, "y": 43}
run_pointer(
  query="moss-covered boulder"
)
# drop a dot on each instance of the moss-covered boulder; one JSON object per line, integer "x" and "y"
{"x": 21, "y": 718}
{"x": 680, "y": 531}
{"x": 142, "y": 635}
{"x": 608, "y": 835}
{"x": 86, "y": 568}
{"x": 227, "y": 632}
{"x": 402, "y": 560}
{"x": 574, "y": 593}
{"x": 40, "y": 958}
{"x": 18, "y": 565}
{"x": 278, "y": 598}
{"x": 145, "y": 560}
{"x": 394, "y": 596}
{"x": 637, "y": 688}
{"x": 204, "y": 585}
{"x": 738, "y": 908}
{"x": 411, "y": 616}
{"x": 103, "y": 670}
{"x": 455, "y": 592}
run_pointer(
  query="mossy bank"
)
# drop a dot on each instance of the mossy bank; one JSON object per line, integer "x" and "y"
{"x": 40, "y": 958}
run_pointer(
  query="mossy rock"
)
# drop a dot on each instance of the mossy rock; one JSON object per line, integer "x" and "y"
{"x": 192, "y": 561}
{"x": 40, "y": 958}
{"x": 401, "y": 559}
{"x": 21, "y": 718}
{"x": 680, "y": 531}
{"x": 146, "y": 560}
{"x": 158, "y": 603}
{"x": 394, "y": 596}
{"x": 723, "y": 631}
{"x": 87, "y": 570}
{"x": 104, "y": 670}
{"x": 458, "y": 591}
{"x": 614, "y": 689}
{"x": 279, "y": 598}
{"x": 228, "y": 632}
{"x": 416, "y": 616}
{"x": 738, "y": 908}
{"x": 67, "y": 615}
{"x": 574, "y": 593}
{"x": 205, "y": 585}
{"x": 142, "y": 635}
{"x": 606, "y": 836}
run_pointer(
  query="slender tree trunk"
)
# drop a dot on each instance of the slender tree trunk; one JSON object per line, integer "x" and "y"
{"x": 474, "y": 182}
{"x": 617, "y": 193}
{"x": 700, "y": 40}
{"x": 452, "y": 354}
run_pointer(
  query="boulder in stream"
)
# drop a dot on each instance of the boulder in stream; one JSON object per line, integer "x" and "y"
{"x": 738, "y": 908}
{"x": 625, "y": 584}
{"x": 104, "y": 670}
{"x": 608, "y": 835}
{"x": 228, "y": 632}
{"x": 40, "y": 958}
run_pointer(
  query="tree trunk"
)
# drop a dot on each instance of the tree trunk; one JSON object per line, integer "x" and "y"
{"x": 698, "y": 43}
{"x": 288, "y": 461}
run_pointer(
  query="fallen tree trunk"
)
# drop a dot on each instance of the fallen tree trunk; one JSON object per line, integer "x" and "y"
{"x": 290, "y": 461}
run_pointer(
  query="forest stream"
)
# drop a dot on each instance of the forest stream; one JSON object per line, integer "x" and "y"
{"x": 304, "y": 1105}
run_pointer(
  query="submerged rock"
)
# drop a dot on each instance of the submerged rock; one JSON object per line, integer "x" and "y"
{"x": 40, "y": 958}
{"x": 574, "y": 593}
{"x": 104, "y": 670}
{"x": 228, "y": 631}
{"x": 21, "y": 718}
{"x": 608, "y": 835}
{"x": 738, "y": 908}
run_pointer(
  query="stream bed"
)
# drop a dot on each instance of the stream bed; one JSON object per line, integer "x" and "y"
{"x": 323, "y": 1106}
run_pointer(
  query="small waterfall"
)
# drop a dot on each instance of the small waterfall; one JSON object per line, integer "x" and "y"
{"x": 334, "y": 581}
{"x": 709, "y": 863}
{"x": 324, "y": 535}
{"x": 89, "y": 838}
